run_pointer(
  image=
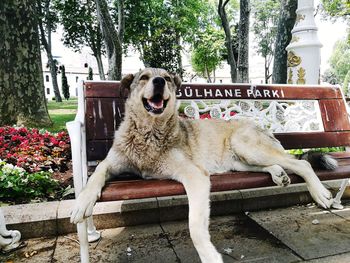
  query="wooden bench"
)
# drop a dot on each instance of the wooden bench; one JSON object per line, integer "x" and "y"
{"x": 300, "y": 117}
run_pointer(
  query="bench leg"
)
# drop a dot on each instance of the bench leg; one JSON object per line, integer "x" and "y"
{"x": 93, "y": 234}
{"x": 83, "y": 240}
{"x": 9, "y": 239}
{"x": 337, "y": 200}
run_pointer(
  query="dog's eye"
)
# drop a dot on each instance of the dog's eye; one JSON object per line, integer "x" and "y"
{"x": 144, "y": 77}
{"x": 167, "y": 79}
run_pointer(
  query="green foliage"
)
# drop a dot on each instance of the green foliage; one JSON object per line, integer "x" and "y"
{"x": 157, "y": 28}
{"x": 322, "y": 150}
{"x": 266, "y": 15}
{"x": 16, "y": 183}
{"x": 207, "y": 53}
{"x": 340, "y": 60}
{"x": 337, "y": 8}
{"x": 90, "y": 74}
{"x": 346, "y": 84}
{"x": 65, "y": 86}
{"x": 80, "y": 23}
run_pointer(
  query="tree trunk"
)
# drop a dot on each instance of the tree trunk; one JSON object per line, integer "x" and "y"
{"x": 100, "y": 66}
{"x": 53, "y": 72}
{"x": 48, "y": 47}
{"x": 228, "y": 40}
{"x": 22, "y": 98}
{"x": 113, "y": 38}
{"x": 283, "y": 38}
{"x": 243, "y": 42}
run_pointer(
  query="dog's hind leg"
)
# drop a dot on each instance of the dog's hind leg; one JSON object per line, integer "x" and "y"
{"x": 318, "y": 192}
{"x": 278, "y": 175}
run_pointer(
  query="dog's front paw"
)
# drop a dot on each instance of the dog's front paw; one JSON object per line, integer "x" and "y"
{"x": 83, "y": 206}
{"x": 321, "y": 196}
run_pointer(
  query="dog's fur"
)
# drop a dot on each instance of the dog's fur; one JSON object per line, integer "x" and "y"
{"x": 154, "y": 142}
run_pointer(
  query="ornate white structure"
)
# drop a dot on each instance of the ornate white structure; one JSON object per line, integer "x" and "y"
{"x": 276, "y": 116}
{"x": 304, "y": 50}
{"x": 9, "y": 239}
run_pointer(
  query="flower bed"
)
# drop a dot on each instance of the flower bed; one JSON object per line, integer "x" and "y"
{"x": 28, "y": 160}
{"x": 34, "y": 151}
{"x": 17, "y": 185}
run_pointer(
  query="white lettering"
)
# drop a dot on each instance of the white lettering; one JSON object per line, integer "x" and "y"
{"x": 197, "y": 93}
{"x": 188, "y": 92}
{"x": 228, "y": 92}
{"x": 238, "y": 93}
{"x": 179, "y": 93}
{"x": 206, "y": 92}
{"x": 282, "y": 93}
{"x": 257, "y": 93}
{"x": 218, "y": 93}
{"x": 275, "y": 93}
{"x": 266, "y": 93}
{"x": 250, "y": 92}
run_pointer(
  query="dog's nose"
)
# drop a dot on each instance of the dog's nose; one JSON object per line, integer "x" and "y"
{"x": 158, "y": 83}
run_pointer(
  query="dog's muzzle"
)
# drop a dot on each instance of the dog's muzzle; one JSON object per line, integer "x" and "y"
{"x": 156, "y": 104}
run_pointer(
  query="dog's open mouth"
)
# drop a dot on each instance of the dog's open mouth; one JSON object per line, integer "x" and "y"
{"x": 156, "y": 104}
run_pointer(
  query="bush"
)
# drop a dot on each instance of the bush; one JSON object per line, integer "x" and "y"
{"x": 34, "y": 151}
{"x": 17, "y": 184}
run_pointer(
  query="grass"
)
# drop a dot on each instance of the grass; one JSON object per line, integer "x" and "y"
{"x": 60, "y": 113}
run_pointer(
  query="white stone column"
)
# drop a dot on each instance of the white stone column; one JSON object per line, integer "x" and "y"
{"x": 304, "y": 50}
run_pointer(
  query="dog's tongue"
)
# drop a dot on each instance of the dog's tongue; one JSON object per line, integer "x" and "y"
{"x": 156, "y": 105}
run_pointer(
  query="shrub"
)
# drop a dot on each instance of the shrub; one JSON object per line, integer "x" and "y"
{"x": 65, "y": 86}
{"x": 17, "y": 184}
{"x": 34, "y": 151}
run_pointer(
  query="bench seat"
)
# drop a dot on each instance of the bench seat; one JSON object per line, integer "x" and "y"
{"x": 140, "y": 188}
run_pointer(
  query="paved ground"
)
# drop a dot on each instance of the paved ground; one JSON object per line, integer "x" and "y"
{"x": 293, "y": 234}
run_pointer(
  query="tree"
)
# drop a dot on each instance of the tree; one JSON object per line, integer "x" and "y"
{"x": 284, "y": 35}
{"x": 159, "y": 29}
{"x": 243, "y": 42}
{"x": 81, "y": 28}
{"x": 207, "y": 53}
{"x": 266, "y": 15}
{"x": 340, "y": 59}
{"x": 22, "y": 98}
{"x": 229, "y": 40}
{"x": 113, "y": 37}
{"x": 65, "y": 86}
{"x": 90, "y": 74}
{"x": 47, "y": 25}
{"x": 337, "y": 8}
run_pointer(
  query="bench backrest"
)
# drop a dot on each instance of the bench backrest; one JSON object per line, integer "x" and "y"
{"x": 104, "y": 109}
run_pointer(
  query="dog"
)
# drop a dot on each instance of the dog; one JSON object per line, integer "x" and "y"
{"x": 154, "y": 142}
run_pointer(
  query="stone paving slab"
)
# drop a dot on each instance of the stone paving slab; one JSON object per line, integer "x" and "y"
{"x": 37, "y": 250}
{"x": 309, "y": 231}
{"x": 145, "y": 243}
{"x": 236, "y": 237}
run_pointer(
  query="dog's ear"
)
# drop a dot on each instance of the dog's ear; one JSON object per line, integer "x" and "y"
{"x": 125, "y": 85}
{"x": 177, "y": 80}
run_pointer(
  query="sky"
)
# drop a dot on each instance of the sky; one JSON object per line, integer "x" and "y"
{"x": 328, "y": 33}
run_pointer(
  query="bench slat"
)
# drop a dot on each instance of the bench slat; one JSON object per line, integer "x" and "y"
{"x": 98, "y": 149}
{"x": 110, "y": 89}
{"x": 103, "y": 116}
{"x": 334, "y": 115}
{"x": 124, "y": 190}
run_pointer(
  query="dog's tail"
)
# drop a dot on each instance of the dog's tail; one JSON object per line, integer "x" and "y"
{"x": 320, "y": 160}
